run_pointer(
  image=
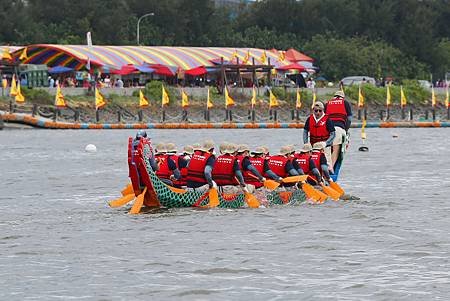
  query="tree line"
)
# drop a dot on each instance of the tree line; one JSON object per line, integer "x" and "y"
{"x": 379, "y": 38}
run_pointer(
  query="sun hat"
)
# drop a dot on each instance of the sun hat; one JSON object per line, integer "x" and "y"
{"x": 319, "y": 145}
{"x": 285, "y": 150}
{"x": 319, "y": 104}
{"x": 223, "y": 147}
{"x": 207, "y": 145}
{"x": 231, "y": 148}
{"x": 196, "y": 146}
{"x": 306, "y": 148}
{"x": 339, "y": 93}
{"x": 161, "y": 148}
{"x": 242, "y": 148}
{"x": 258, "y": 151}
{"x": 188, "y": 149}
{"x": 171, "y": 148}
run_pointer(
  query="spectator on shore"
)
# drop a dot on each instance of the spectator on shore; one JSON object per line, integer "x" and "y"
{"x": 51, "y": 82}
{"x": 119, "y": 83}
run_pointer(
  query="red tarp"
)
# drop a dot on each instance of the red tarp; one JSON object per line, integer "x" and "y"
{"x": 162, "y": 70}
{"x": 293, "y": 66}
{"x": 125, "y": 70}
{"x": 201, "y": 70}
{"x": 293, "y": 55}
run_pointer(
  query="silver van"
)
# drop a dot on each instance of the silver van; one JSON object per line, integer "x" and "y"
{"x": 356, "y": 80}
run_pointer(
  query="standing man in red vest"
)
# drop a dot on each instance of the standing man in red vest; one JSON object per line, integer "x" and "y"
{"x": 319, "y": 127}
{"x": 339, "y": 111}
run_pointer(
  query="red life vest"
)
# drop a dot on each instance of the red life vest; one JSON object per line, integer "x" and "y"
{"x": 277, "y": 164}
{"x": 315, "y": 156}
{"x": 196, "y": 168}
{"x": 164, "y": 172}
{"x": 249, "y": 177}
{"x": 223, "y": 173}
{"x": 318, "y": 130}
{"x": 303, "y": 161}
{"x": 336, "y": 109}
{"x": 240, "y": 159}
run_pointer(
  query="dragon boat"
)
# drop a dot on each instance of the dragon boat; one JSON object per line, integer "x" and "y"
{"x": 150, "y": 191}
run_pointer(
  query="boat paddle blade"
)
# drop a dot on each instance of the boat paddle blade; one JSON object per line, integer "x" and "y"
{"x": 322, "y": 196}
{"x": 271, "y": 184}
{"x": 121, "y": 201}
{"x": 331, "y": 192}
{"x": 338, "y": 188}
{"x": 251, "y": 200}
{"x": 310, "y": 192}
{"x": 138, "y": 203}
{"x": 127, "y": 190}
{"x": 213, "y": 197}
{"x": 295, "y": 179}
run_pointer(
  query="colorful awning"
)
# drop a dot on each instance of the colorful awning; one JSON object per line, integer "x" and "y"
{"x": 114, "y": 57}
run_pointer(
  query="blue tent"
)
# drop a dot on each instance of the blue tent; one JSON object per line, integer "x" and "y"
{"x": 59, "y": 69}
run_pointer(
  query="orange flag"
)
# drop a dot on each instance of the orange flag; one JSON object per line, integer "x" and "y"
{"x": 209, "y": 103}
{"x": 228, "y": 100}
{"x": 100, "y": 100}
{"x": 60, "y": 102}
{"x": 273, "y": 101}
{"x": 19, "y": 97}
{"x": 143, "y": 101}
{"x": 184, "y": 100}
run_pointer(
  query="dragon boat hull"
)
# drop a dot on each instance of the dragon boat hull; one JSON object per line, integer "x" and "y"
{"x": 162, "y": 195}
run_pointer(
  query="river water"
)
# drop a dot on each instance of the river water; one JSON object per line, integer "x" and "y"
{"x": 59, "y": 240}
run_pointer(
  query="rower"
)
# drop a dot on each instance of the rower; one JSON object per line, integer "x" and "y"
{"x": 306, "y": 163}
{"x": 319, "y": 127}
{"x": 339, "y": 111}
{"x": 320, "y": 160}
{"x": 281, "y": 164}
{"x": 259, "y": 161}
{"x": 226, "y": 170}
{"x": 168, "y": 164}
{"x": 200, "y": 167}
{"x": 181, "y": 165}
{"x": 243, "y": 156}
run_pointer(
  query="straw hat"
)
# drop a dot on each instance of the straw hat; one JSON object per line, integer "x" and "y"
{"x": 266, "y": 149}
{"x": 259, "y": 150}
{"x": 339, "y": 93}
{"x": 223, "y": 147}
{"x": 231, "y": 148}
{"x": 242, "y": 148}
{"x": 207, "y": 145}
{"x": 171, "y": 148}
{"x": 306, "y": 148}
{"x": 285, "y": 150}
{"x": 319, "y": 104}
{"x": 188, "y": 149}
{"x": 161, "y": 148}
{"x": 319, "y": 145}
{"x": 196, "y": 146}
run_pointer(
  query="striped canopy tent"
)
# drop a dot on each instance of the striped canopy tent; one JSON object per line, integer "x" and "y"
{"x": 115, "y": 57}
{"x": 11, "y": 48}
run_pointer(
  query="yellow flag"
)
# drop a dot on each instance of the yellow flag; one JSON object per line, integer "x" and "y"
{"x": 4, "y": 83}
{"x": 446, "y": 99}
{"x": 228, "y": 100}
{"x": 360, "y": 98}
{"x": 403, "y": 100}
{"x": 24, "y": 54}
{"x": 253, "y": 100}
{"x": 314, "y": 99}
{"x": 298, "y": 101}
{"x": 234, "y": 55}
{"x": 273, "y": 101}
{"x": 209, "y": 103}
{"x": 246, "y": 58}
{"x": 165, "y": 96}
{"x": 263, "y": 58}
{"x": 184, "y": 99}
{"x": 13, "y": 90}
{"x": 363, "y": 131}
{"x": 433, "y": 97}
{"x": 6, "y": 55}
{"x": 60, "y": 102}
{"x": 281, "y": 56}
{"x": 19, "y": 97}
{"x": 388, "y": 96}
{"x": 100, "y": 100}
{"x": 143, "y": 101}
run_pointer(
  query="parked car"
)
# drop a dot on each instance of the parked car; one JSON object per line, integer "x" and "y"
{"x": 356, "y": 80}
{"x": 424, "y": 83}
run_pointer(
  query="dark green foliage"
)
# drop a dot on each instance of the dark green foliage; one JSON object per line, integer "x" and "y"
{"x": 399, "y": 38}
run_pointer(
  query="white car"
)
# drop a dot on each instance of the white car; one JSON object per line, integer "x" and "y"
{"x": 356, "y": 80}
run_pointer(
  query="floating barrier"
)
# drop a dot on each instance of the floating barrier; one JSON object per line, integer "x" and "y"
{"x": 41, "y": 122}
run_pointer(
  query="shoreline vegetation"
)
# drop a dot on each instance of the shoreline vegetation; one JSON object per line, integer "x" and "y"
{"x": 126, "y": 108}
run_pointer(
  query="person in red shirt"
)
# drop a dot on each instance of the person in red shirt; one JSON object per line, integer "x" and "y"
{"x": 306, "y": 163}
{"x": 199, "y": 175}
{"x": 319, "y": 127}
{"x": 339, "y": 111}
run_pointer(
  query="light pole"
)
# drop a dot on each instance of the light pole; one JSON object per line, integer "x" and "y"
{"x": 139, "y": 21}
